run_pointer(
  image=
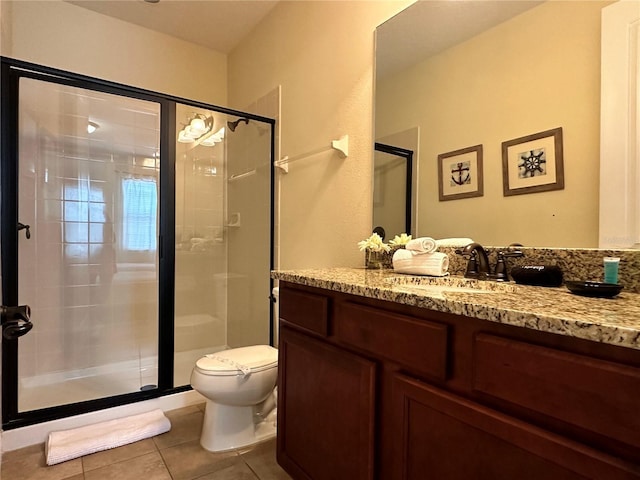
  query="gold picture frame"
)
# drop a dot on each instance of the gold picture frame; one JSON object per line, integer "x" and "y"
{"x": 533, "y": 163}
{"x": 460, "y": 174}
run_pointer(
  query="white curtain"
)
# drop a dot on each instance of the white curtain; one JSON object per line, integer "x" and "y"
{"x": 140, "y": 206}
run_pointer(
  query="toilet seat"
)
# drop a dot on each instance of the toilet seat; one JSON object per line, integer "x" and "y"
{"x": 238, "y": 361}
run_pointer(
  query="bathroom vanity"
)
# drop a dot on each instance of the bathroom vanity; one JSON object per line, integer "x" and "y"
{"x": 385, "y": 376}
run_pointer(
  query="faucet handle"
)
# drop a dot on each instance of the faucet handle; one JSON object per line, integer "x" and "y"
{"x": 501, "y": 274}
{"x": 472, "y": 264}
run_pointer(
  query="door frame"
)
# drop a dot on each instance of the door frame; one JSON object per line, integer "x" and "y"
{"x": 408, "y": 156}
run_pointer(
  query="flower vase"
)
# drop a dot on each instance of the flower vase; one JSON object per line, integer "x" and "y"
{"x": 374, "y": 259}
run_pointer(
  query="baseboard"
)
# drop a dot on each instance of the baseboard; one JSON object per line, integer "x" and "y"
{"x": 34, "y": 434}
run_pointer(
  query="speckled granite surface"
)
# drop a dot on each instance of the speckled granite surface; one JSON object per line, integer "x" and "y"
{"x": 614, "y": 321}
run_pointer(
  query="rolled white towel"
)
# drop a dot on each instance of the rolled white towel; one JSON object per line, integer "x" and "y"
{"x": 434, "y": 264}
{"x": 64, "y": 445}
{"x": 453, "y": 242}
{"x": 422, "y": 245}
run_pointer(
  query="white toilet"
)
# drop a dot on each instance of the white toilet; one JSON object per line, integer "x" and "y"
{"x": 239, "y": 385}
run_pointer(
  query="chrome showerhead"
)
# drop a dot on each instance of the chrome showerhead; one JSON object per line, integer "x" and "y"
{"x": 232, "y": 125}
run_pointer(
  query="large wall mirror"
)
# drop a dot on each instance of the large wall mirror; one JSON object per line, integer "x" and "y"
{"x": 494, "y": 72}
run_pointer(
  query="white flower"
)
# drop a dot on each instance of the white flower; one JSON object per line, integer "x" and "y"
{"x": 374, "y": 243}
{"x": 402, "y": 239}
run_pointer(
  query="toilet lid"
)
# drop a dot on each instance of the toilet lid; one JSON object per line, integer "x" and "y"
{"x": 239, "y": 361}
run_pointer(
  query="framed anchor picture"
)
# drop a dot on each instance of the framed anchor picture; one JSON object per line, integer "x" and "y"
{"x": 533, "y": 163}
{"x": 460, "y": 174}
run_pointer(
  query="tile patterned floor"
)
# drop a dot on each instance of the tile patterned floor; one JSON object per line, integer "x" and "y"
{"x": 175, "y": 455}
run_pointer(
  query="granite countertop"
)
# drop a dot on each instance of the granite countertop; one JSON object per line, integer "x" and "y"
{"x": 615, "y": 321}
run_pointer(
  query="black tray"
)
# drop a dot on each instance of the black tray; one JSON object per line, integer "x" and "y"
{"x": 594, "y": 289}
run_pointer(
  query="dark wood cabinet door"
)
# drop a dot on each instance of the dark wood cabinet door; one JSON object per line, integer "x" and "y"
{"x": 441, "y": 436}
{"x": 597, "y": 395}
{"x": 325, "y": 410}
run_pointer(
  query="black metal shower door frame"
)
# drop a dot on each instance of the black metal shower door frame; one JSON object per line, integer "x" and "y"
{"x": 408, "y": 157}
{"x": 11, "y": 72}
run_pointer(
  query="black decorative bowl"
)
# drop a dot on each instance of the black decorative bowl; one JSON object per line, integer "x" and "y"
{"x": 594, "y": 289}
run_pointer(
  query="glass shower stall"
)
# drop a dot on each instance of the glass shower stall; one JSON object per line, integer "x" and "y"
{"x": 150, "y": 239}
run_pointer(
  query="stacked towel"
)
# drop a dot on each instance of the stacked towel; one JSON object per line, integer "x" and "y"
{"x": 422, "y": 245}
{"x": 420, "y": 256}
{"x": 453, "y": 242}
{"x": 434, "y": 264}
{"x": 429, "y": 245}
{"x": 67, "y": 444}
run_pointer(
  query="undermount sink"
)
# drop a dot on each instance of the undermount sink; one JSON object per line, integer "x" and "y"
{"x": 440, "y": 285}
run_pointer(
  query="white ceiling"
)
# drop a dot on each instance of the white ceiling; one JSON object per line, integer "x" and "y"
{"x": 216, "y": 24}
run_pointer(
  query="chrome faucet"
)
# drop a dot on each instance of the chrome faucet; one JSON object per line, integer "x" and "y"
{"x": 478, "y": 265}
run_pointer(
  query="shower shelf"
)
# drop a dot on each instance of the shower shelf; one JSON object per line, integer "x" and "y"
{"x": 234, "y": 220}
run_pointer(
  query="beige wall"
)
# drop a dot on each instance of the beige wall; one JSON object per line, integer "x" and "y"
{"x": 497, "y": 93}
{"x": 5, "y": 26}
{"x": 321, "y": 53}
{"x": 57, "y": 34}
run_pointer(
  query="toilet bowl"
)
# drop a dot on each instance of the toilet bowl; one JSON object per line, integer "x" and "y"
{"x": 239, "y": 386}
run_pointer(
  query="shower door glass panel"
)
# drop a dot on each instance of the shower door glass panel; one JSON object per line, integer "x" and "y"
{"x": 201, "y": 251}
{"x": 223, "y": 236}
{"x": 88, "y": 187}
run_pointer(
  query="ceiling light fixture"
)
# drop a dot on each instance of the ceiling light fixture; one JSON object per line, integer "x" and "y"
{"x": 213, "y": 138}
{"x": 198, "y": 126}
{"x": 184, "y": 138}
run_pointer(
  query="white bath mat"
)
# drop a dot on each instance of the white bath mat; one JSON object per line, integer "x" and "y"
{"x": 68, "y": 444}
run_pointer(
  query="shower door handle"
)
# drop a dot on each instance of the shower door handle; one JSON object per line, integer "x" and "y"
{"x": 15, "y": 321}
{"x": 22, "y": 226}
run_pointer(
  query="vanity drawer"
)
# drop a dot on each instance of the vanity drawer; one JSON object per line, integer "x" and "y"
{"x": 305, "y": 310}
{"x": 419, "y": 345}
{"x": 593, "y": 394}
